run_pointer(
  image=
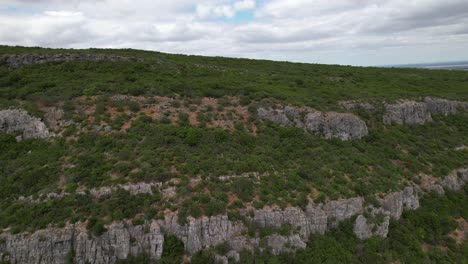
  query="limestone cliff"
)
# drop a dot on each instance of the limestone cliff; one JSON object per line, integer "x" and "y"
{"x": 345, "y": 126}
{"x": 56, "y": 245}
{"x": 418, "y": 113}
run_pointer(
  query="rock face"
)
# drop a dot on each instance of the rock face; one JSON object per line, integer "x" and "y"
{"x": 410, "y": 113}
{"x": 344, "y": 126}
{"x": 19, "y": 121}
{"x": 444, "y": 107}
{"x": 16, "y": 61}
{"x": 394, "y": 203}
{"x": 418, "y": 113}
{"x": 364, "y": 230}
{"x": 56, "y": 245}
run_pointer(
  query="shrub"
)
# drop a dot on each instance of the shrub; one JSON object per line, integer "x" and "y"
{"x": 133, "y": 106}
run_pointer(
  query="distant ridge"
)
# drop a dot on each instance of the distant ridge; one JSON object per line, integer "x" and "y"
{"x": 454, "y": 65}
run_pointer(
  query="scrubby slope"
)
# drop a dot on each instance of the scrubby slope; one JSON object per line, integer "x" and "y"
{"x": 142, "y": 137}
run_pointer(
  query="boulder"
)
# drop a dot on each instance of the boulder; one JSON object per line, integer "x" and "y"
{"x": 19, "y": 121}
{"x": 344, "y": 126}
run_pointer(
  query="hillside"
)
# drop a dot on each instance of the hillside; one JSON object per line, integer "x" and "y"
{"x": 134, "y": 156}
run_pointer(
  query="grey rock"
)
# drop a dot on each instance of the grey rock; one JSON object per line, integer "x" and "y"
{"x": 122, "y": 239}
{"x": 395, "y": 202}
{"x": 437, "y": 188}
{"x": 16, "y": 61}
{"x": 19, "y": 121}
{"x": 410, "y": 113}
{"x": 53, "y": 245}
{"x": 344, "y": 126}
{"x": 233, "y": 255}
{"x": 278, "y": 244}
{"x": 314, "y": 122}
{"x": 203, "y": 232}
{"x": 274, "y": 115}
{"x": 463, "y": 175}
{"x": 442, "y": 106}
{"x": 317, "y": 219}
{"x": 452, "y": 182}
{"x": 364, "y": 230}
{"x": 221, "y": 259}
{"x": 342, "y": 209}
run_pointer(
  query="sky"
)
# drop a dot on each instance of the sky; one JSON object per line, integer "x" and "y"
{"x": 349, "y": 32}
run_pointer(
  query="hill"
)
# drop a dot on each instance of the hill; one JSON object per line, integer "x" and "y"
{"x": 125, "y": 155}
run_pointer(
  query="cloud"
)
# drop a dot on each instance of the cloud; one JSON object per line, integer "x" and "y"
{"x": 357, "y": 32}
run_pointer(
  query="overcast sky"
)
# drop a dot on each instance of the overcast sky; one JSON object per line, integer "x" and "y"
{"x": 355, "y": 32}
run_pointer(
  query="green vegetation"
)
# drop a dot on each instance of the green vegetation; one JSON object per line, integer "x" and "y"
{"x": 320, "y": 86}
{"x": 214, "y": 156}
{"x": 420, "y": 236}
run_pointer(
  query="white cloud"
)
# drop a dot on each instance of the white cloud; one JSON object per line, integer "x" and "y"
{"x": 349, "y": 31}
{"x": 229, "y": 10}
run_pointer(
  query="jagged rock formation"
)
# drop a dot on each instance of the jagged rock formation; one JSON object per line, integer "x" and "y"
{"x": 410, "y": 113}
{"x": 344, "y": 126}
{"x": 16, "y": 61}
{"x": 19, "y": 121}
{"x": 362, "y": 229}
{"x": 132, "y": 188}
{"x": 55, "y": 245}
{"x": 444, "y": 107}
{"x": 418, "y": 113}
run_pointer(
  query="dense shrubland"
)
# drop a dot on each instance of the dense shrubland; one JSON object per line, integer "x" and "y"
{"x": 273, "y": 165}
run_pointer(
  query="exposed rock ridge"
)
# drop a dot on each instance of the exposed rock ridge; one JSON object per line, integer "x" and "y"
{"x": 19, "y": 121}
{"x": 56, "y": 245}
{"x": 132, "y": 188}
{"x": 345, "y": 126}
{"x": 418, "y": 113}
{"x": 53, "y": 245}
{"x": 16, "y": 61}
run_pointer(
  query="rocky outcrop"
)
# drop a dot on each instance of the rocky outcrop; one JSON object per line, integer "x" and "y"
{"x": 418, "y": 113}
{"x": 354, "y": 106}
{"x": 363, "y": 230}
{"x": 122, "y": 239}
{"x": 394, "y": 203}
{"x": 410, "y": 113}
{"x": 444, "y": 107}
{"x": 57, "y": 245}
{"x": 18, "y": 60}
{"x": 344, "y": 126}
{"x": 53, "y": 117}
{"x": 279, "y": 244}
{"x": 15, "y": 121}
